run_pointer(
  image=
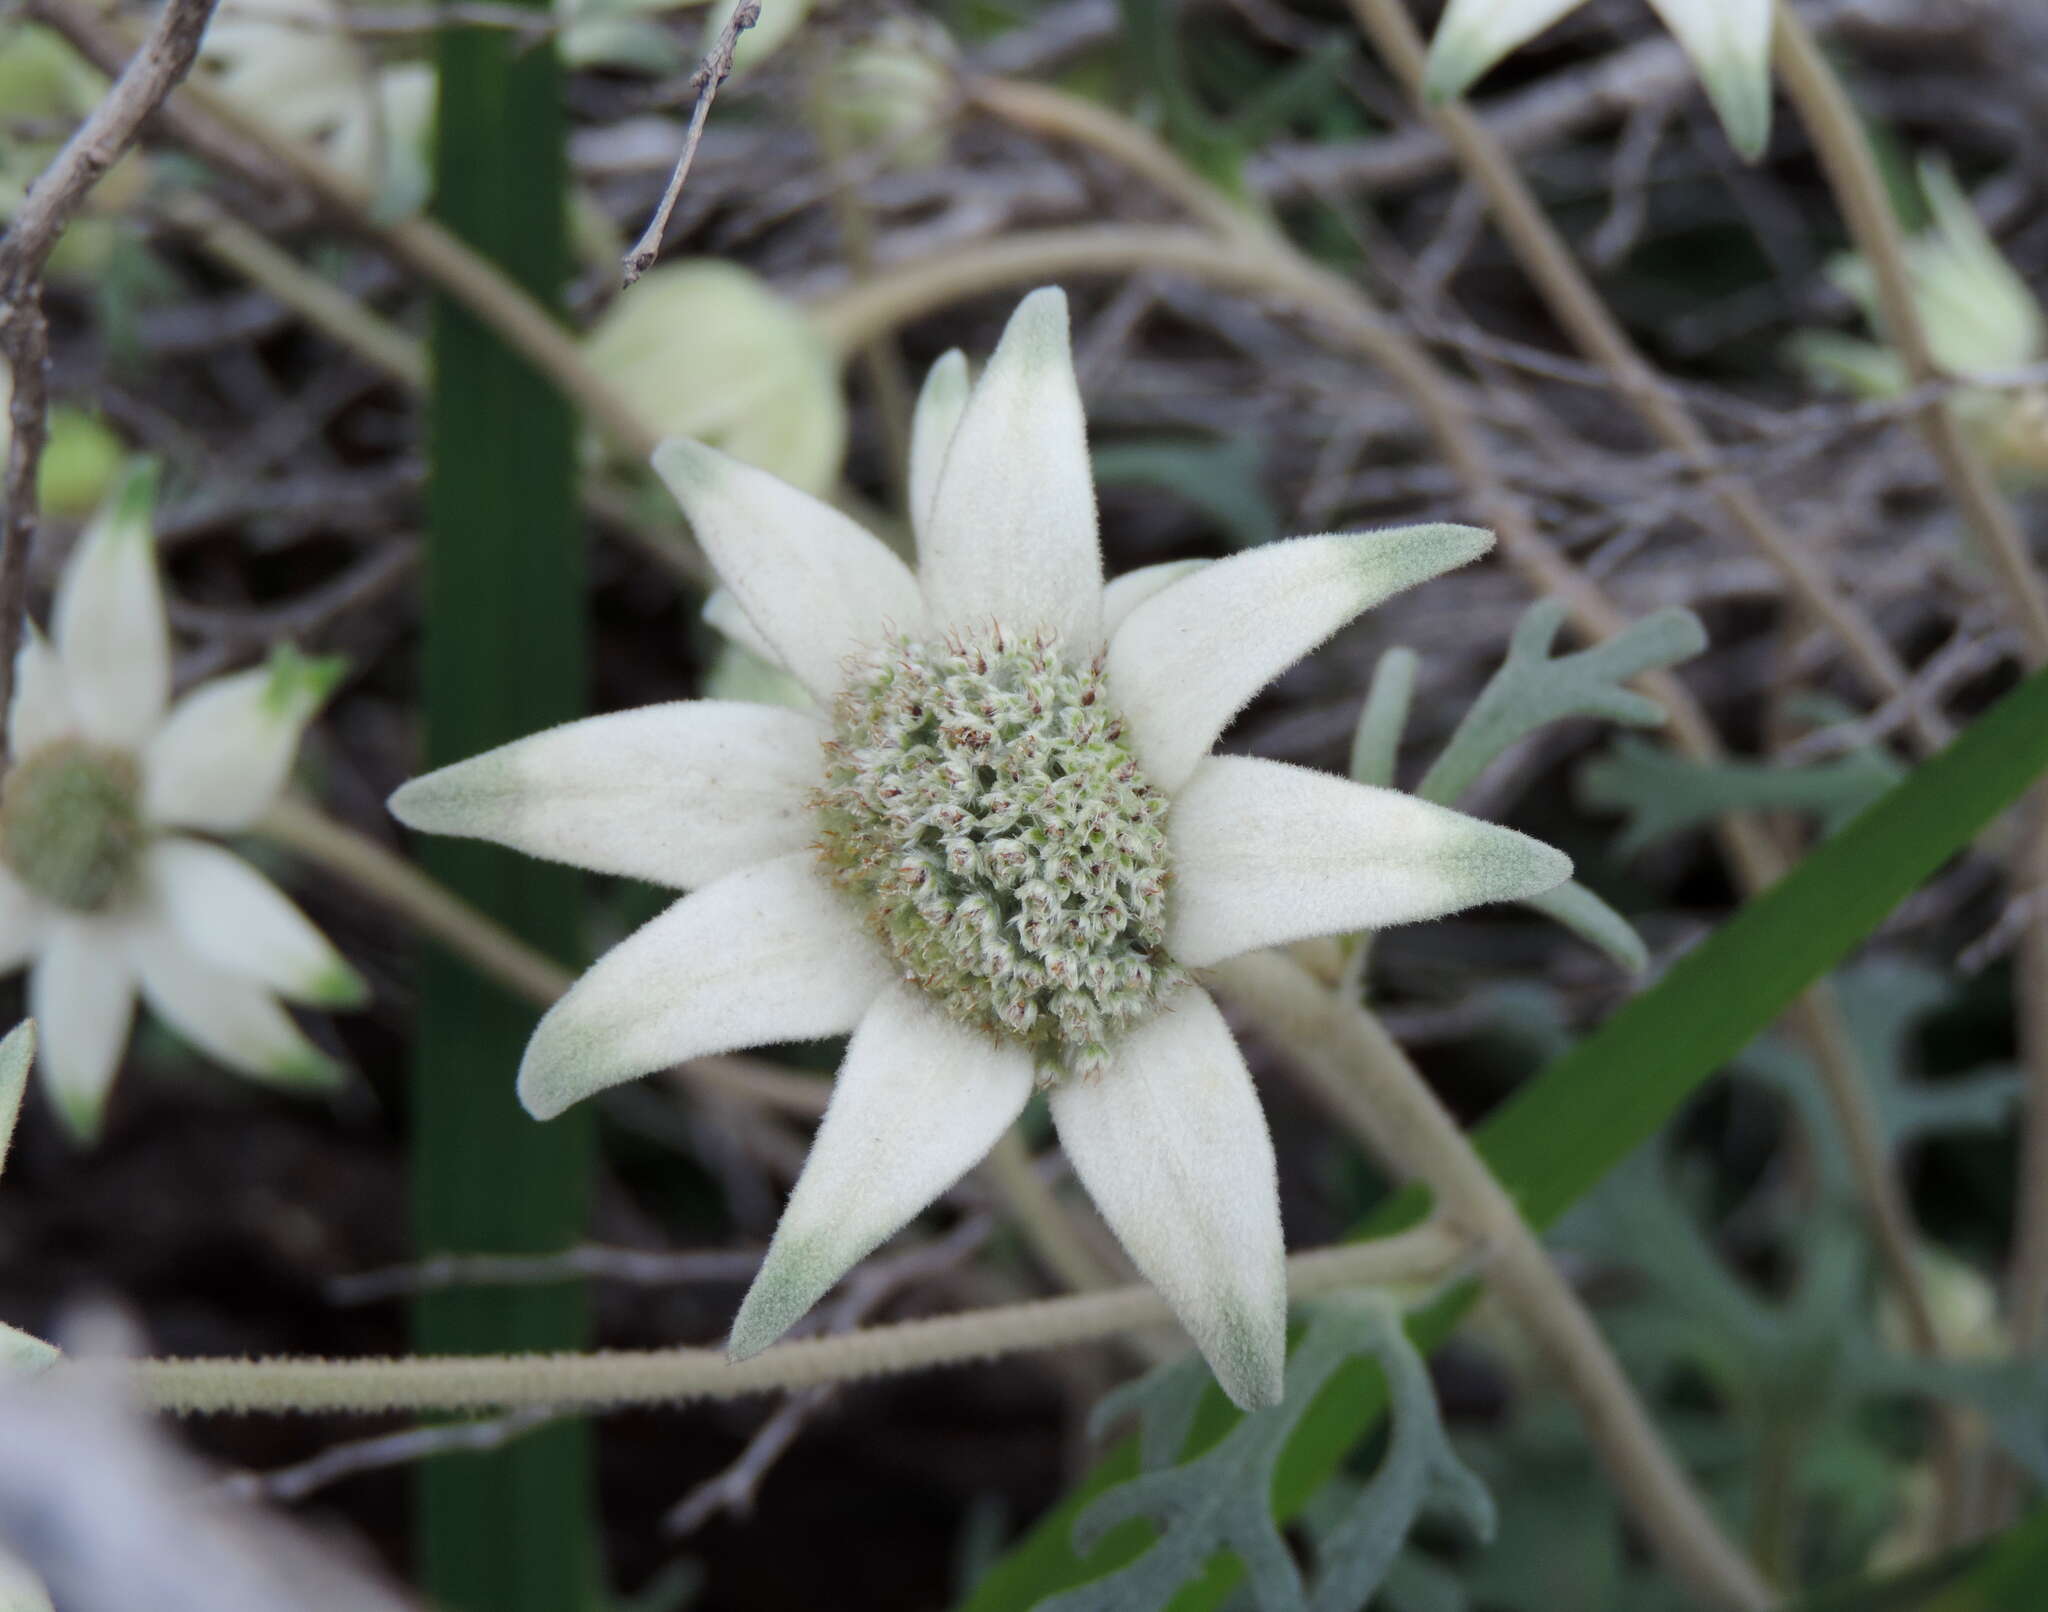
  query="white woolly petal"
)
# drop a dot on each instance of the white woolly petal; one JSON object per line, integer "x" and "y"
{"x": 917, "y": 1103}
{"x": 1012, "y": 534}
{"x": 1475, "y": 34}
{"x": 41, "y": 712}
{"x": 225, "y": 751}
{"x": 1123, "y": 595}
{"x": 940, "y": 404}
{"x": 722, "y": 611}
{"x": 1729, "y": 42}
{"x": 815, "y": 585}
{"x": 1171, "y": 1143}
{"x": 770, "y": 953}
{"x": 239, "y": 922}
{"x": 230, "y": 1018}
{"x": 81, "y": 993}
{"x": 1191, "y": 657}
{"x": 678, "y": 794}
{"x": 1265, "y": 853}
{"x": 20, "y": 1354}
{"x": 110, "y": 627}
{"x": 17, "y": 1053}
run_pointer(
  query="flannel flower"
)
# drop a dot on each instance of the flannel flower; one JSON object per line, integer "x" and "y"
{"x": 994, "y": 850}
{"x": 1729, "y": 42}
{"x": 104, "y": 887}
{"x": 18, "y": 1351}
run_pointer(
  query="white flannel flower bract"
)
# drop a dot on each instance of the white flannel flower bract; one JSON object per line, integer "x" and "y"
{"x": 993, "y": 850}
{"x": 105, "y": 888}
{"x": 1729, "y": 42}
{"x": 18, "y": 1351}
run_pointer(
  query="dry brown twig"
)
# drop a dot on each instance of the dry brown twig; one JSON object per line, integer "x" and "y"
{"x": 715, "y": 69}
{"x": 166, "y": 56}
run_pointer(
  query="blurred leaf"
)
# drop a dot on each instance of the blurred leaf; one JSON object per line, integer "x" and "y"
{"x": 1534, "y": 688}
{"x": 1593, "y": 921}
{"x": 1220, "y": 1499}
{"x": 1884, "y": 1001}
{"x": 1151, "y": 36}
{"x": 1556, "y": 1138}
{"x": 2012, "y": 1394}
{"x": 1221, "y": 479}
{"x": 1663, "y": 794}
{"x": 1295, "y": 93}
{"x": 1376, "y": 744}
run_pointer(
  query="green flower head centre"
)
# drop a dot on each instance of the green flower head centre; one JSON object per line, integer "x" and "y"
{"x": 71, "y": 825}
{"x": 982, "y": 808}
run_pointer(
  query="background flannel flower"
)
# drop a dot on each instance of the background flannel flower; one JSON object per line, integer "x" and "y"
{"x": 105, "y": 888}
{"x": 993, "y": 849}
{"x": 18, "y": 1351}
{"x": 1729, "y": 42}
{"x": 1981, "y": 319}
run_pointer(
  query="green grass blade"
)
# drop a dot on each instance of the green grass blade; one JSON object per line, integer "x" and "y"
{"x": 1555, "y": 1140}
{"x": 502, "y": 656}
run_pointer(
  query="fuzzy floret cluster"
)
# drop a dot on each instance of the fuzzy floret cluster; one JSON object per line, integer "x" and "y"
{"x": 982, "y": 808}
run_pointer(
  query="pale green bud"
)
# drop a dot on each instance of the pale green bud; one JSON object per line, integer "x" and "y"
{"x": 892, "y": 93}
{"x": 1980, "y": 317}
{"x": 705, "y": 349}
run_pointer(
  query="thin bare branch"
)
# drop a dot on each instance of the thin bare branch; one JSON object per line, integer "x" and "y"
{"x": 713, "y": 72}
{"x": 166, "y": 56}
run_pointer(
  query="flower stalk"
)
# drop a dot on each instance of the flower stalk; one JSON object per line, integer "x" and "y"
{"x": 1422, "y": 1258}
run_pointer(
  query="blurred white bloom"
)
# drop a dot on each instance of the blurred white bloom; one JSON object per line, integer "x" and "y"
{"x": 96, "y": 1499}
{"x": 891, "y": 93}
{"x": 18, "y": 1351}
{"x": 992, "y": 851}
{"x": 777, "y": 24}
{"x": 1729, "y": 42}
{"x": 617, "y": 33}
{"x": 705, "y": 349}
{"x": 20, "y": 1590}
{"x": 103, "y": 888}
{"x": 1981, "y": 318}
{"x": 294, "y": 64}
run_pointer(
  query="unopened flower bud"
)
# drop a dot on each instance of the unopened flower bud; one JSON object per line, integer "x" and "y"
{"x": 705, "y": 349}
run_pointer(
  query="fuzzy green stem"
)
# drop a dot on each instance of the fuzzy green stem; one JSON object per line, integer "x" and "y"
{"x": 1420, "y": 1258}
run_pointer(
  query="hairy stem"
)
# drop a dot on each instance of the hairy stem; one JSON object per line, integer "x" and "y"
{"x": 1317, "y": 1026}
{"x": 1424, "y": 1257}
